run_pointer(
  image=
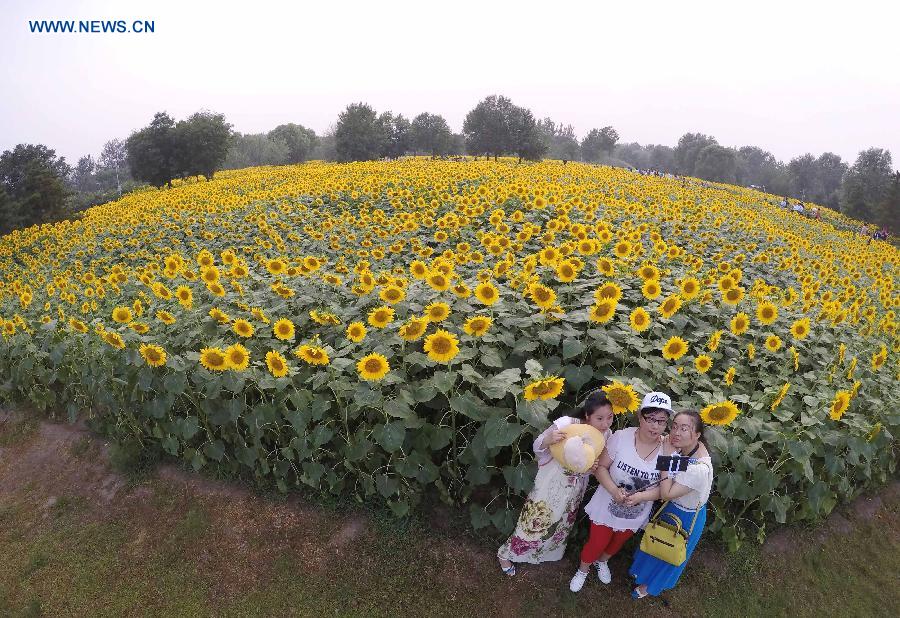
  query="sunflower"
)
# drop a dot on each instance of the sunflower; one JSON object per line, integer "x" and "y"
{"x": 766, "y": 312}
{"x": 381, "y": 316}
{"x": 603, "y": 311}
{"x": 674, "y": 348}
{"x": 751, "y": 351}
{"x": 714, "y": 339}
{"x": 670, "y": 306}
{"x": 721, "y": 413}
{"x": 210, "y": 274}
{"x": 703, "y": 363}
{"x": 800, "y": 329}
{"x": 545, "y": 388}
{"x": 242, "y": 328}
{"x": 259, "y": 315}
{"x": 740, "y": 323}
{"x": 622, "y": 249}
{"x": 733, "y": 296}
{"x": 438, "y": 281}
{"x": 418, "y": 269}
{"x": 639, "y": 320}
{"x": 566, "y": 271}
{"x": 726, "y": 283}
{"x": 283, "y": 329}
{"x": 461, "y": 290}
{"x": 477, "y": 325}
{"x": 413, "y": 329}
{"x": 542, "y": 296}
{"x": 78, "y": 325}
{"x": 651, "y": 289}
{"x": 153, "y": 355}
{"x": 185, "y": 296}
{"x": 165, "y": 317}
{"x": 879, "y": 358}
{"x": 392, "y": 294}
{"x": 313, "y": 355}
{"x": 648, "y": 272}
{"x": 622, "y": 397}
{"x": 139, "y": 327}
{"x": 437, "y": 312}
{"x": 441, "y": 346}
{"x": 780, "y": 396}
{"x": 487, "y": 293}
{"x": 277, "y": 364}
{"x": 276, "y": 266}
{"x": 608, "y": 291}
{"x": 690, "y": 288}
{"x": 114, "y": 339}
{"x": 373, "y": 367}
{"x": 773, "y": 343}
{"x": 839, "y": 405}
{"x": 606, "y": 266}
{"x": 729, "y": 376}
{"x": 213, "y": 359}
{"x": 356, "y": 332}
{"x": 122, "y": 315}
{"x": 237, "y": 357}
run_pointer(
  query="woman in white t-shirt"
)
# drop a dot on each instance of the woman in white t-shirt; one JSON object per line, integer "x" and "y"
{"x": 687, "y": 493}
{"x": 549, "y": 512}
{"x": 627, "y": 465}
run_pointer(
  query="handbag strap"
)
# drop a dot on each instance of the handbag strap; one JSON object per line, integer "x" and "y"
{"x": 660, "y": 510}
{"x": 697, "y": 512}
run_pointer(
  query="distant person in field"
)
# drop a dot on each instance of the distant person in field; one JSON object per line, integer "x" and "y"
{"x": 552, "y": 506}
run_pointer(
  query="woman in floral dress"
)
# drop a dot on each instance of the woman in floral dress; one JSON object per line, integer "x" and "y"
{"x": 552, "y": 506}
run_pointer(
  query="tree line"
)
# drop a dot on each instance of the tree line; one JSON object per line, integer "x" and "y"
{"x": 37, "y": 186}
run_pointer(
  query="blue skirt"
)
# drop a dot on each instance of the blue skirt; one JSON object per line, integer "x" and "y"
{"x": 658, "y": 575}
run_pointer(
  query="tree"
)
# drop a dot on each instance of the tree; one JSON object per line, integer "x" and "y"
{"x": 526, "y": 137}
{"x": 890, "y": 209}
{"x": 661, "y": 157}
{"x": 599, "y": 142}
{"x": 83, "y": 175}
{"x": 866, "y": 186}
{"x": 632, "y": 154}
{"x": 756, "y": 166}
{"x": 688, "y": 149}
{"x": 716, "y": 163}
{"x": 396, "y": 135}
{"x": 112, "y": 165}
{"x": 299, "y": 141}
{"x": 560, "y": 140}
{"x": 151, "y": 151}
{"x": 831, "y": 170}
{"x": 804, "y": 174}
{"x": 253, "y": 150}
{"x": 201, "y": 144}
{"x": 488, "y": 129}
{"x": 358, "y": 135}
{"x": 430, "y": 133}
{"x": 31, "y": 179}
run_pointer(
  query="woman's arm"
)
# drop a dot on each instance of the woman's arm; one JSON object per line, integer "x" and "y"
{"x": 669, "y": 489}
{"x": 605, "y": 479}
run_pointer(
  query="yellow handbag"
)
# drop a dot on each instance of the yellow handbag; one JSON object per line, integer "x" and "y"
{"x": 667, "y": 541}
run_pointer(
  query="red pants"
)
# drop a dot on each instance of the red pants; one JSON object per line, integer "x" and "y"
{"x": 603, "y": 540}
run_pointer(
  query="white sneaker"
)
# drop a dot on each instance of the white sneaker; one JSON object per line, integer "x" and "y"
{"x": 577, "y": 582}
{"x": 603, "y": 572}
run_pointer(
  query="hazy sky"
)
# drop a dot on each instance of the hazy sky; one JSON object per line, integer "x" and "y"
{"x": 791, "y": 77}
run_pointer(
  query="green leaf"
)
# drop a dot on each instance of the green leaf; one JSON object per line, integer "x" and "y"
{"x": 576, "y": 376}
{"x": 443, "y": 381}
{"x": 532, "y": 368}
{"x": 390, "y": 436}
{"x": 571, "y": 348}
{"x": 521, "y": 477}
{"x": 496, "y": 387}
{"x": 497, "y": 432}
{"x": 228, "y": 411}
{"x": 471, "y": 405}
{"x": 214, "y": 450}
{"x": 189, "y": 427}
{"x": 398, "y": 409}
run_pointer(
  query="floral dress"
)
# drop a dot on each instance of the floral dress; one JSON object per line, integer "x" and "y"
{"x": 550, "y": 510}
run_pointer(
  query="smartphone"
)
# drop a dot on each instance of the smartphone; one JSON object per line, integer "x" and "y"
{"x": 672, "y": 463}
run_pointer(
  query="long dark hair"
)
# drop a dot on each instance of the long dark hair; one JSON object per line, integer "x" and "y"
{"x": 699, "y": 425}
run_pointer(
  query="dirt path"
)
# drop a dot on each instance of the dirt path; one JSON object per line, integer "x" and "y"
{"x": 229, "y": 551}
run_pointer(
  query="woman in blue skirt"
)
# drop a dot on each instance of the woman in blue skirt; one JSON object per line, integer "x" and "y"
{"x": 687, "y": 493}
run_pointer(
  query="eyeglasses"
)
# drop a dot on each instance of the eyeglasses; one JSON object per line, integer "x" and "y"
{"x": 656, "y": 420}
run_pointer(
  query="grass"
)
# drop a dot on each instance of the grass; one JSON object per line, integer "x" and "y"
{"x": 171, "y": 554}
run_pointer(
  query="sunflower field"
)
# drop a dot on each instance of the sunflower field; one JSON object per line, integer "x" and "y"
{"x": 391, "y": 330}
